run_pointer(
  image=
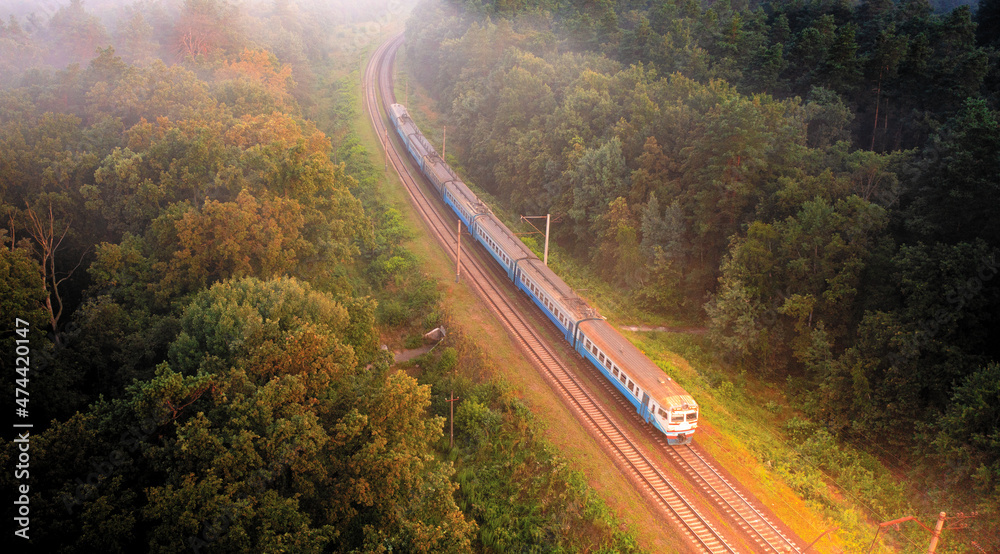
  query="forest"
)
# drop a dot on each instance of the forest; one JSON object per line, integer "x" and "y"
{"x": 816, "y": 182}
{"x": 199, "y": 260}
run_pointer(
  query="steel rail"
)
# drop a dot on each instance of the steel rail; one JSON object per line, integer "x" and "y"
{"x": 764, "y": 532}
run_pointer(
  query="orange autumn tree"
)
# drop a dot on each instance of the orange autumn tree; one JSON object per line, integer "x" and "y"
{"x": 222, "y": 240}
{"x": 263, "y": 68}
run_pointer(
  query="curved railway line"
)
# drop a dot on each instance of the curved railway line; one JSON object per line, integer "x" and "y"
{"x": 377, "y": 84}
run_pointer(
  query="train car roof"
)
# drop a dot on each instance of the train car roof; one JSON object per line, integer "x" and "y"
{"x": 441, "y": 170}
{"x": 464, "y": 194}
{"x": 666, "y": 392}
{"x": 503, "y": 237}
{"x": 558, "y": 289}
{"x": 411, "y": 130}
{"x": 399, "y": 110}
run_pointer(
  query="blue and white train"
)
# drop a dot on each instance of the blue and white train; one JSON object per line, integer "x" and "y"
{"x": 657, "y": 398}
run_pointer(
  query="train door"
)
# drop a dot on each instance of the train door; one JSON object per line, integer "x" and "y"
{"x": 644, "y": 407}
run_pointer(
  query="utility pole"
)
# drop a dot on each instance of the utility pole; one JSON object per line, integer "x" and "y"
{"x": 548, "y": 221}
{"x": 458, "y": 257}
{"x": 451, "y": 403}
{"x": 936, "y": 535}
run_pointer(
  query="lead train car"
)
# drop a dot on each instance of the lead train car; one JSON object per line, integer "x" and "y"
{"x": 658, "y": 399}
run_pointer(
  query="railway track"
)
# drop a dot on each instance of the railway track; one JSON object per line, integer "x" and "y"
{"x": 765, "y": 533}
{"x": 377, "y": 83}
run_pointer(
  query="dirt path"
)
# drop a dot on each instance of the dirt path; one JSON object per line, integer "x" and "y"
{"x": 406, "y": 355}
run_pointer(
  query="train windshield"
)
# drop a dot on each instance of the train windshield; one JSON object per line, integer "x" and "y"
{"x": 680, "y": 417}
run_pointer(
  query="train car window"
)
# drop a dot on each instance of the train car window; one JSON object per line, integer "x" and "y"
{"x": 623, "y": 379}
{"x": 693, "y": 416}
{"x": 662, "y": 413}
{"x": 677, "y": 418}
{"x": 601, "y": 357}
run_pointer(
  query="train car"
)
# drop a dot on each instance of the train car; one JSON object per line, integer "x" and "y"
{"x": 657, "y": 398}
{"x": 416, "y": 144}
{"x": 504, "y": 246}
{"x": 440, "y": 173}
{"x": 465, "y": 204}
{"x": 553, "y": 296}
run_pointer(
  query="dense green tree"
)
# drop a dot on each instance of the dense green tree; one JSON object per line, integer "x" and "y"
{"x": 907, "y": 359}
{"x": 597, "y": 178}
{"x": 966, "y": 435}
{"x": 125, "y": 193}
{"x": 954, "y": 197}
{"x": 21, "y": 297}
{"x": 618, "y": 254}
{"x": 787, "y": 281}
